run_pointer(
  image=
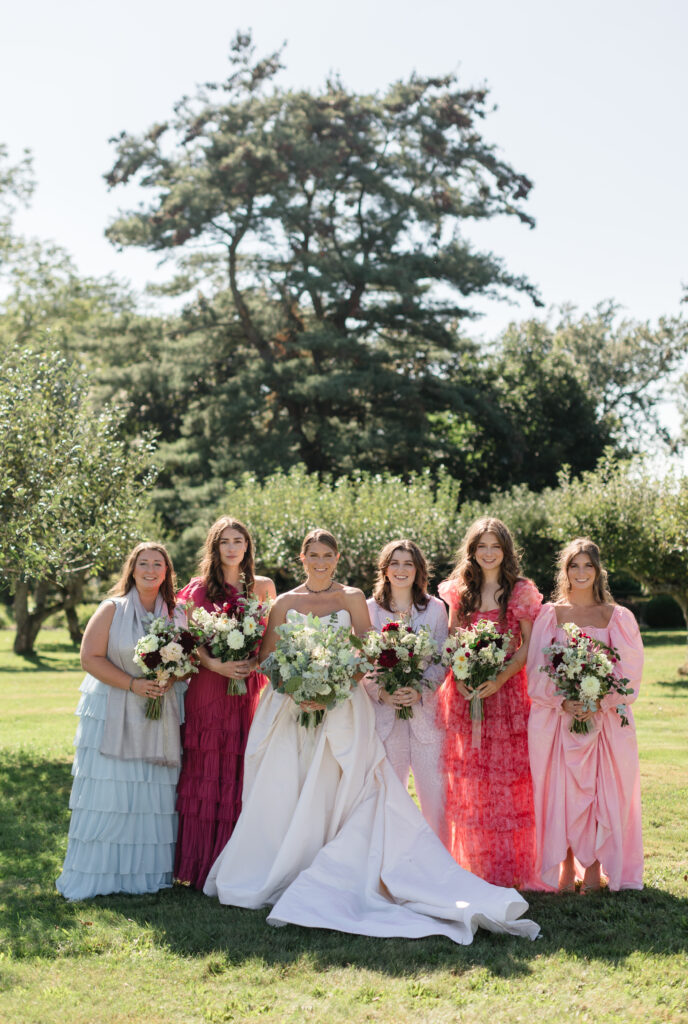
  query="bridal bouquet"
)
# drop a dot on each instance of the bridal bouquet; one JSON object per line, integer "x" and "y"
{"x": 400, "y": 657}
{"x": 165, "y": 651}
{"x": 233, "y": 632}
{"x": 314, "y": 661}
{"x": 583, "y": 670}
{"x": 474, "y": 655}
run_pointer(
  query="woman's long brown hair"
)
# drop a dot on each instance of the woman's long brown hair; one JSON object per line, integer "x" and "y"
{"x": 582, "y": 546}
{"x": 469, "y": 575}
{"x": 126, "y": 579}
{"x": 210, "y": 566}
{"x": 382, "y": 591}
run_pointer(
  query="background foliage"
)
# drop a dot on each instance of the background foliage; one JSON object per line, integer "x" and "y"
{"x": 315, "y": 367}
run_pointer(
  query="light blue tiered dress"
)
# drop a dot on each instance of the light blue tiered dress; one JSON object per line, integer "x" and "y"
{"x": 124, "y": 826}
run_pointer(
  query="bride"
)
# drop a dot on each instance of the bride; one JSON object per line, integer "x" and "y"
{"x": 328, "y": 835}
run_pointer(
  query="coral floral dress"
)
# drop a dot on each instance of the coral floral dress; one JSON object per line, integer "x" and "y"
{"x": 213, "y": 741}
{"x": 489, "y": 818}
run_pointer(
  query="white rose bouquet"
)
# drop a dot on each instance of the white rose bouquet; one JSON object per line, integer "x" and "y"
{"x": 583, "y": 670}
{"x": 401, "y": 657}
{"x": 233, "y": 632}
{"x": 314, "y": 661}
{"x": 165, "y": 651}
{"x": 474, "y": 655}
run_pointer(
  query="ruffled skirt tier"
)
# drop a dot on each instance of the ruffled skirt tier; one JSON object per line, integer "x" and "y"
{"x": 123, "y": 827}
{"x": 490, "y": 818}
{"x": 209, "y": 793}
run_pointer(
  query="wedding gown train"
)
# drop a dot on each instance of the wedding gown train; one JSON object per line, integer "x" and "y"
{"x": 331, "y": 839}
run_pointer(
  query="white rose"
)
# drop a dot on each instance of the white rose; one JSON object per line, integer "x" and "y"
{"x": 604, "y": 663}
{"x": 147, "y": 644}
{"x": 172, "y": 652}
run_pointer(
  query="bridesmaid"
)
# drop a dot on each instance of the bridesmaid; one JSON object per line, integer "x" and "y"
{"x": 123, "y": 826}
{"x": 489, "y": 820}
{"x": 587, "y": 786}
{"x": 415, "y": 744}
{"x": 216, "y": 728}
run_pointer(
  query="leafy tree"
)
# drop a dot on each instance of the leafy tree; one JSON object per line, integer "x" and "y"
{"x": 16, "y": 187}
{"x": 364, "y": 513}
{"x": 71, "y": 491}
{"x": 319, "y": 237}
{"x": 619, "y": 369}
{"x": 639, "y": 521}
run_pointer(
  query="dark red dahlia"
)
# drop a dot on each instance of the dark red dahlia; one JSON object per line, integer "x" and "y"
{"x": 388, "y": 659}
{"x": 187, "y": 641}
{"x": 152, "y": 659}
{"x": 390, "y": 627}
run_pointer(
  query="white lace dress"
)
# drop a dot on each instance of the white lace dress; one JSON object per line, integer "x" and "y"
{"x": 329, "y": 836}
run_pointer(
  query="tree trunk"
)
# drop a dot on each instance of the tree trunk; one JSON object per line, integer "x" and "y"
{"x": 28, "y": 623}
{"x": 73, "y": 624}
{"x": 681, "y": 600}
{"x": 75, "y": 589}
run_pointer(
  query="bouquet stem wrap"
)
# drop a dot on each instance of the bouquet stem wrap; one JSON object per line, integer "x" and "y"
{"x": 477, "y": 717}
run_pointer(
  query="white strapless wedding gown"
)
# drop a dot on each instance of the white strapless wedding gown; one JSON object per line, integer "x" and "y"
{"x": 329, "y": 836}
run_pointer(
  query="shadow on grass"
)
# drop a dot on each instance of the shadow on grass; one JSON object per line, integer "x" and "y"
{"x": 675, "y": 685}
{"x": 663, "y": 637}
{"x": 51, "y": 657}
{"x": 37, "y": 922}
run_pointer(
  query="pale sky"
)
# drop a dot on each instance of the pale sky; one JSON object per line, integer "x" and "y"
{"x": 591, "y": 100}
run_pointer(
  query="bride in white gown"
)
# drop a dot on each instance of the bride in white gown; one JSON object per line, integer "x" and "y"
{"x": 328, "y": 835}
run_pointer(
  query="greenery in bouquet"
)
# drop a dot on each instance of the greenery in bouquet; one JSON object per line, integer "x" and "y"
{"x": 166, "y": 651}
{"x": 400, "y": 657}
{"x": 584, "y": 670}
{"x": 476, "y": 654}
{"x": 315, "y": 661}
{"x": 233, "y": 632}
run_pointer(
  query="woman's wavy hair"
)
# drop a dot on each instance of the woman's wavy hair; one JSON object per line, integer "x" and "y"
{"x": 382, "y": 590}
{"x": 125, "y": 582}
{"x": 582, "y": 546}
{"x": 469, "y": 575}
{"x": 210, "y": 565}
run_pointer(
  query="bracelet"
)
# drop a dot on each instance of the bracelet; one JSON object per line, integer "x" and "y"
{"x": 131, "y": 683}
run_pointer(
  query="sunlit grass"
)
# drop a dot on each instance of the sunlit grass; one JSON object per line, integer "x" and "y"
{"x": 180, "y": 958}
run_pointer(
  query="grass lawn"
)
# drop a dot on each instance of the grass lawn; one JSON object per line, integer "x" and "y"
{"x": 180, "y": 958}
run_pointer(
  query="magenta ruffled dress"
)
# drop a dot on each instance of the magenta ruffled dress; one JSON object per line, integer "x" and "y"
{"x": 586, "y": 787}
{"x": 489, "y": 815}
{"x": 213, "y": 741}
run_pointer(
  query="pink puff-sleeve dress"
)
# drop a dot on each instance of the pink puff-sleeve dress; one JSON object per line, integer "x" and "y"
{"x": 415, "y": 744}
{"x": 586, "y": 787}
{"x": 489, "y": 819}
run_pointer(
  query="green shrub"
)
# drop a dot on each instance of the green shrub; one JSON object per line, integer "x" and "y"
{"x": 363, "y": 512}
{"x": 662, "y": 612}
